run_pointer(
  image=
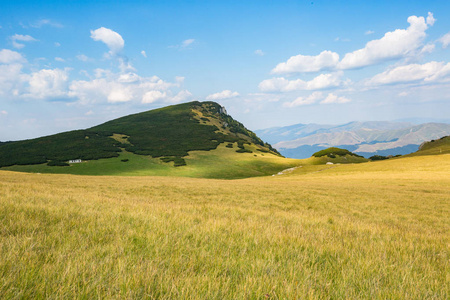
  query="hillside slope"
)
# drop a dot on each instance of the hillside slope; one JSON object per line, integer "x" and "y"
{"x": 434, "y": 147}
{"x": 161, "y": 136}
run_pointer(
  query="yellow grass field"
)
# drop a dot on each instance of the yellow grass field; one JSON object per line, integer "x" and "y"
{"x": 378, "y": 230}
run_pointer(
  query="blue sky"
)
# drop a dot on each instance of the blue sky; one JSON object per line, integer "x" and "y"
{"x": 73, "y": 64}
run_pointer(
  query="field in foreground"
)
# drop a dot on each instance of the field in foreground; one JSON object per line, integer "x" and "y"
{"x": 372, "y": 230}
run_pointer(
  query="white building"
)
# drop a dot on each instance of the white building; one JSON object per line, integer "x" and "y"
{"x": 74, "y": 161}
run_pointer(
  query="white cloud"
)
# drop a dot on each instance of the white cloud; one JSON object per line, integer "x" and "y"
{"x": 153, "y": 96}
{"x": 120, "y": 94}
{"x": 226, "y": 94}
{"x": 60, "y": 59}
{"x": 144, "y": 54}
{"x": 48, "y": 22}
{"x": 3, "y": 112}
{"x": 428, "y": 72}
{"x": 57, "y": 44}
{"x": 82, "y": 57}
{"x": 129, "y": 78}
{"x": 9, "y": 57}
{"x": 304, "y": 101}
{"x": 259, "y": 52}
{"x": 305, "y": 63}
{"x": 11, "y": 79}
{"x": 428, "y": 48}
{"x": 395, "y": 44}
{"x": 332, "y": 98}
{"x": 368, "y": 32}
{"x": 445, "y": 40}
{"x": 48, "y": 83}
{"x": 281, "y": 84}
{"x": 184, "y": 44}
{"x": 21, "y": 38}
{"x": 430, "y": 19}
{"x": 187, "y": 42}
{"x": 89, "y": 113}
{"x": 112, "y": 39}
{"x": 339, "y": 39}
{"x": 181, "y": 96}
{"x": 179, "y": 79}
{"x": 115, "y": 88}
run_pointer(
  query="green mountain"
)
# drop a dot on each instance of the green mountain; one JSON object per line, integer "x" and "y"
{"x": 162, "y": 136}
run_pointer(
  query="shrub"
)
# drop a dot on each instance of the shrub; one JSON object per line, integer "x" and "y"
{"x": 57, "y": 163}
{"x": 124, "y": 160}
{"x": 244, "y": 151}
{"x": 378, "y": 157}
{"x": 333, "y": 151}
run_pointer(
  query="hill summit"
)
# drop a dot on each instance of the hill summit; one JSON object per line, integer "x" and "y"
{"x": 169, "y": 133}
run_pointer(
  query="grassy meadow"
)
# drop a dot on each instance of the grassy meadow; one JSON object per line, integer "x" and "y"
{"x": 377, "y": 230}
{"x": 223, "y": 163}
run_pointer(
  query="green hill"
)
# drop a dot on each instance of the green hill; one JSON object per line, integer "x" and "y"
{"x": 151, "y": 143}
{"x": 335, "y": 155}
{"x": 434, "y": 147}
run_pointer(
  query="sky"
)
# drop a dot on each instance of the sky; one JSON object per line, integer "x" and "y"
{"x": 67, "y": 65}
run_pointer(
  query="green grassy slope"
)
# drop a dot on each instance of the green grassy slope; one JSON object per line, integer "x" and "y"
{"x": 153, "y": 143}
{"x": 223, "y": 162}
{"x": 434, "y": 147}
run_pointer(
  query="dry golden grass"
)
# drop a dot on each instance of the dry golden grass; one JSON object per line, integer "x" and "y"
{"x": 374, "y": 230}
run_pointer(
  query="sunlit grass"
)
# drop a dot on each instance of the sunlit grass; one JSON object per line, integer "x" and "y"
{"x": 376, "y": 230}
{"x": 223, "y": 163}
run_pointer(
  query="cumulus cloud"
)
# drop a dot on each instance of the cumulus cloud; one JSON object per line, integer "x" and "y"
{"x": 445, "y": 40}
{"x": 9, "y": 57}
{"x": 48, "y": 83}
{"x": 144, "y": 54}
{"x": 400, "y": 43}
{"x": 281, "y": 84}
{"x": 112, "y": 39}
{"x": 21, "y": 38}
{"x": 304, "y": 63}
{"x": 395, "y": 44}
{"x": 430, "y": 19}
{"x": 428, "y": 72}
{"x": 116, "y": 88}
{"x": 226, "y": 94}
{"x": 334, "y": 99}
{"x": 119, "y": 94}
{"x": 311, "y": 99}
{"x": 181, "y": 96}
{"x": 11, "y": 79}
{"x": 153, "y": 96}
{"x": 60, "y": 59}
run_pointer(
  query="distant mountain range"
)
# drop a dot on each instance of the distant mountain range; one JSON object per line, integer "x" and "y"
{"x": 363, "y": 138}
